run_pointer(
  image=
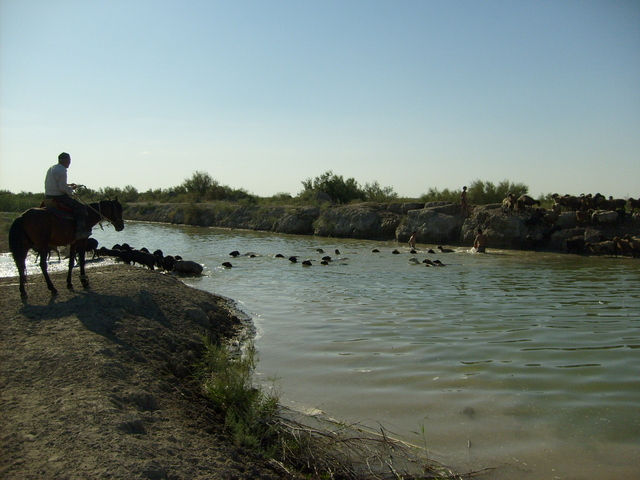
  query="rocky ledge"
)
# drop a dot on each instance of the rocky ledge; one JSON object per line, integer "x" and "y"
{"x": 435, "y": 223}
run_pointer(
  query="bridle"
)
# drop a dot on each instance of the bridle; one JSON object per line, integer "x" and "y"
{"x": 101, "y": 217}
{"x": 99, "y": 212}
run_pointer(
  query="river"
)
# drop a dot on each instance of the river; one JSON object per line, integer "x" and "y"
{"x": 525, "y": 361}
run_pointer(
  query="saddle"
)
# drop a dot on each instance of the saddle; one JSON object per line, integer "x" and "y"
{"x": 59, "y": 209}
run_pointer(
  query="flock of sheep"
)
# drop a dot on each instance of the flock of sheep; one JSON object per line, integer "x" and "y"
{"x": 588, "y": 209}
{"x": 582, "y": 203}
{"x": 175, "y": 264}
{"x": 327, "y": 259}
{"x": 167, "y": 263}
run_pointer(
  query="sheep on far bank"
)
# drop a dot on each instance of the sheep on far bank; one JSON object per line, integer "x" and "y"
{"x": 604, "y": 217}
{"x": 610, "y": 203}
{"x": 583, "y": 216}
{"x": 526, "y": 201}
{"x": 633, "y": 204}
{"x": 575, "y": 245}
{"x": 608, "y": 247}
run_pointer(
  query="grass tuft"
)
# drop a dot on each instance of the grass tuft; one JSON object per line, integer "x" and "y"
{"x": 228, "y": 383}
{"x": 312, "y": 447}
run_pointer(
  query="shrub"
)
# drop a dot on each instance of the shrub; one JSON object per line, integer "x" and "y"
{"x": 479, "y": 192}
{"x": 339, "y": 189}
{"x": 228, "y": 383}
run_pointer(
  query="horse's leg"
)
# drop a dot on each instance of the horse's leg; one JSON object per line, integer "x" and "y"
{"x": 81, "y": 260}
{"x": 19, "y": 245}
{"x": 22, "y": 271}
{"x": 72, "y": 256}
{"x": 43, "y": 267}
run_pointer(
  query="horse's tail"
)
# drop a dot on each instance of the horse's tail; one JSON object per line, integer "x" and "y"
{"x": 18, "y": 240}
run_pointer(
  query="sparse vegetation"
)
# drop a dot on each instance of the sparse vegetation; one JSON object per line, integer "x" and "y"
{"x": 202, "y": 188}
{"x": 19, "y": 202}
{"x": 479, "y": 192}
{"x": 228, "y": 382}
{"x": 314, "y": 447}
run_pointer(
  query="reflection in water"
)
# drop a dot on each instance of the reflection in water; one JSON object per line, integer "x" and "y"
{"x": 520, "y": 359}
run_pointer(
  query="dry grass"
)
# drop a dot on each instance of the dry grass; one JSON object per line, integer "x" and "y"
{"x": 320, "y": 447}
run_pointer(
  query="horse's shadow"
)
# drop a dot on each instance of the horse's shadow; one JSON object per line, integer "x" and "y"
{"x": 98, "y": 313}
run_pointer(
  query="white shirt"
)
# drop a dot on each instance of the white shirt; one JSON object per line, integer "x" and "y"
{"x": 55, "y": 183}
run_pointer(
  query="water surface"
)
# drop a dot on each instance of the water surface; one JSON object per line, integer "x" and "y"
{"x": 527, "y": 361}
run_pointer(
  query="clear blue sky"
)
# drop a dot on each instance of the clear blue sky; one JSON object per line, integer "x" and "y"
{"x": 265, "y": 94}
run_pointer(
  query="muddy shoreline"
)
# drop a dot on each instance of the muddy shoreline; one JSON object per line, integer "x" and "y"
{"x": 95, "y": 383}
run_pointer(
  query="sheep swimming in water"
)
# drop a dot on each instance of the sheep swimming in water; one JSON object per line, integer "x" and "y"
{"x": 187, "y": 267}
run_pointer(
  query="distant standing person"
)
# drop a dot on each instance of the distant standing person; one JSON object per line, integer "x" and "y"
{"x": 463, "y": 201}
{"x": 56, "y": 187}
{"x": 480, "y": 243}
{"x": 413, "y": 239}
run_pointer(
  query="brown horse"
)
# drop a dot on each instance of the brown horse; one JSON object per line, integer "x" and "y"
{"x": 39, "y": 229}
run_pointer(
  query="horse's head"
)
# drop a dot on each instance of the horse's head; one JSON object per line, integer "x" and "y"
{"x": 112, "y": 210}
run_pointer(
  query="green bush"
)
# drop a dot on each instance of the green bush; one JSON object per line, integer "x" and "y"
{"x": 346, "y": 191}
{"x": 435, "y": 195}
{"x": 228, "y": 383}
{"x": 483, "y": 193}
{"x": 479, "y": 192}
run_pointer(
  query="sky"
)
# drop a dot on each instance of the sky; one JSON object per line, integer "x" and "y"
{"x": 263, "y": 95}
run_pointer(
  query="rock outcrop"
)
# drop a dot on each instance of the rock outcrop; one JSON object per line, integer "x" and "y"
{"x": 435, "y": 223}
{"x": 362, "y": 220}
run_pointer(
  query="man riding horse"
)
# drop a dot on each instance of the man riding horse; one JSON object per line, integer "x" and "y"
{"x": 57, "y": 188}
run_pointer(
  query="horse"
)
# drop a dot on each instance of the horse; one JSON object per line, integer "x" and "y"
{"x": 40, "y": 229}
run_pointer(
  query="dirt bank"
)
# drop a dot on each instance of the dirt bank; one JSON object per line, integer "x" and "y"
{"x": 94, "y": 383}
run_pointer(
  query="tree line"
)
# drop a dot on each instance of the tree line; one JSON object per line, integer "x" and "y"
{"x": 202, "y": 187}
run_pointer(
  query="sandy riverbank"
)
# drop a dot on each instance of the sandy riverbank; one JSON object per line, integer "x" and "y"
{"x": 94, "y": 383}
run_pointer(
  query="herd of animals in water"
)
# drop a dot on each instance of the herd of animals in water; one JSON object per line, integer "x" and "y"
{"x": 176, "y": 264}
{"x": 157, "y": 259}
{"x": 595, "y": 210}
